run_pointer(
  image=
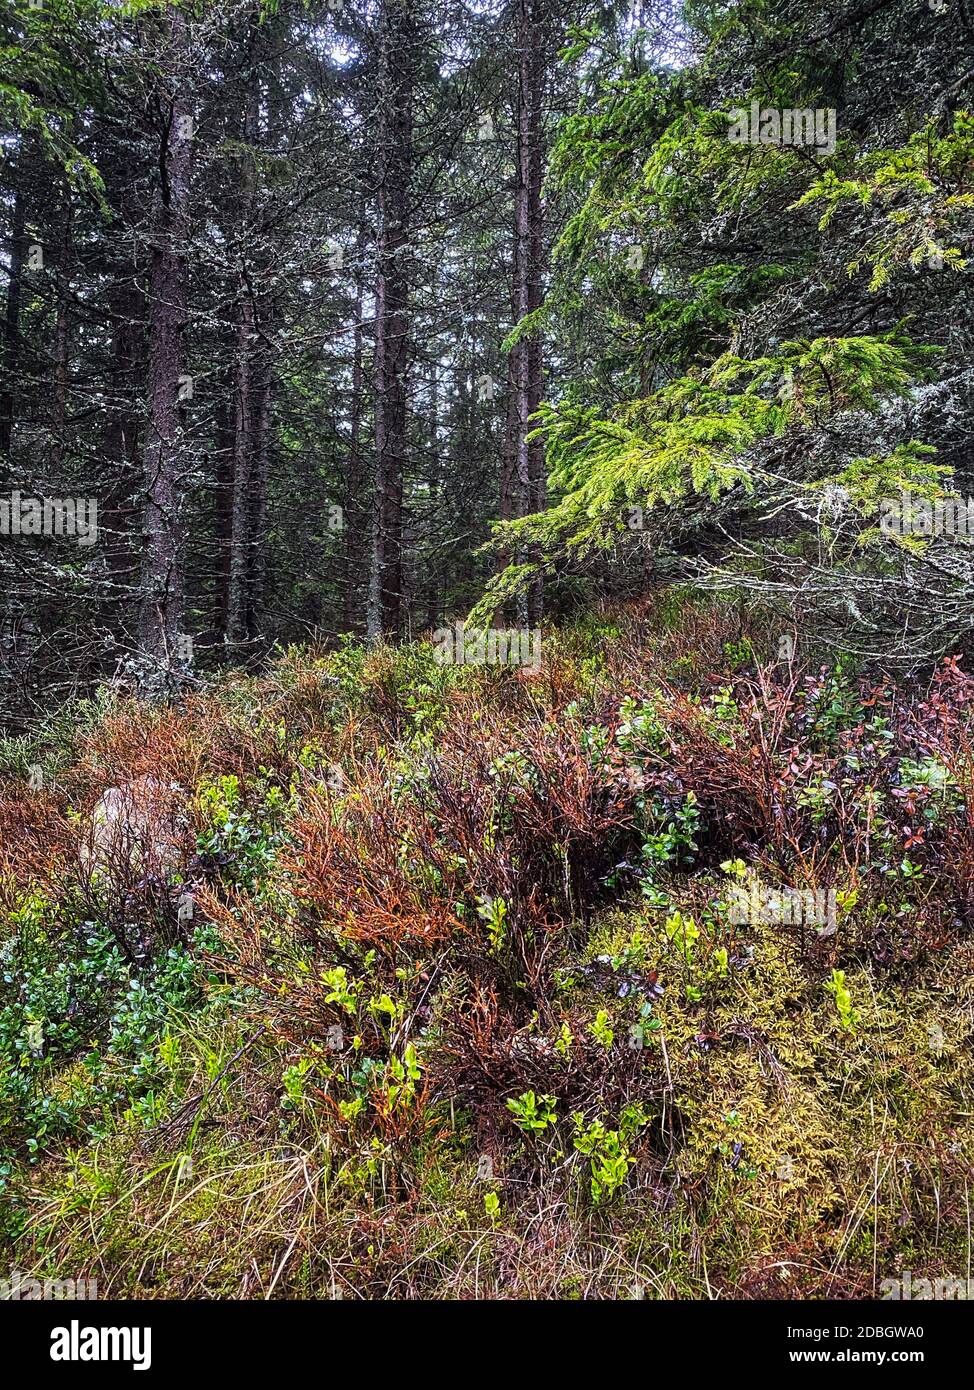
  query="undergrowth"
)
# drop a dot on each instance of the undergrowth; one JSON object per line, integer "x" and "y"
{"x": 433, "y": 981}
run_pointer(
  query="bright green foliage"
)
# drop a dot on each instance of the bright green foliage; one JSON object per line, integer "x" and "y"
{"x": 685, "y": 271}
{"x": 920, "y": 186}
{"x": 532, "y": 1114}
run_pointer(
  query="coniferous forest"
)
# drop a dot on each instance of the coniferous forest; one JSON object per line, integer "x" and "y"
{"x": 486, "y": 616}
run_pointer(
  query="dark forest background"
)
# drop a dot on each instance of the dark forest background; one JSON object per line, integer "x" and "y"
{"x": 285, "y": 284}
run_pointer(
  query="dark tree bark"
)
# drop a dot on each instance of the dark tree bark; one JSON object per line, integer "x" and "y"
{"x": 261, "y": 432}
{"x": 62, "y": 328}
{"x": 11, "y": 327}
{"x": 240, "y": 508}
{"x": 162, "y": 576}
{"x": 246, "y": 407}
{"x": 396, "y": 59}
{"x": 355, "y": 471}
{"x": 223, "y": 484}
{"x": 430, "y": 587}
{"x": 528, "y": 457}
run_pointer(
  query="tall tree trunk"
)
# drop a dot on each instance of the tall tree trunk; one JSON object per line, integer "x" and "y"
{"x": 162, "y": 576}
{"x": 354, "y": 473}
{"x": 431, "y": 587}
{"x": 119, "y": 511}
{"x": 223, "y": 431}
{"x": 527, "y": 365}
{"x": 272, "y": 38}
{"x": 261, "y": 432}
{"x": 240, "y": 509}
{"x": 397, "y": 57}
{"x": 245, "y": 414}
{"x": 62, "y": 328}
{"x": 11, "y": 328}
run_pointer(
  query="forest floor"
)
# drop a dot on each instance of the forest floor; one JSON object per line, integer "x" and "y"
{"x": 421, "y": 981}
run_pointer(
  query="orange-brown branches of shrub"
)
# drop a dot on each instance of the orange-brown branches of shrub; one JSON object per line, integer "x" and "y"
{"x": 36, "y": 838}
{"x": 373, "y": 868}
{"x": 199, "y": 738}
{"x": 541, "y": 818}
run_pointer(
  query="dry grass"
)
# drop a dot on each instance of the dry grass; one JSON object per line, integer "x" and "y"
{"x": 481, "y": 907}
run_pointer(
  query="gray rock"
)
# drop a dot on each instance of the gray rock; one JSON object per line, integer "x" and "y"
{"x": 136, "y": 829}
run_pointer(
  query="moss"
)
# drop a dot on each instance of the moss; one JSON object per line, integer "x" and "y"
{"x": 781, "y": 1146}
